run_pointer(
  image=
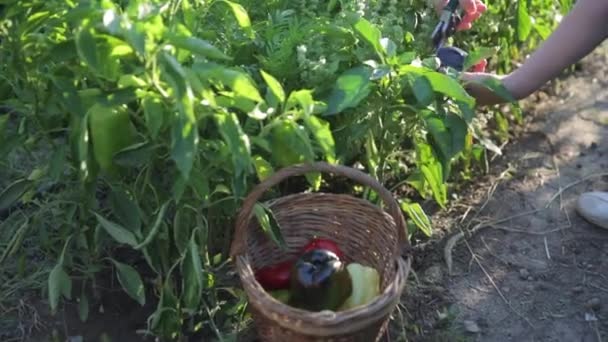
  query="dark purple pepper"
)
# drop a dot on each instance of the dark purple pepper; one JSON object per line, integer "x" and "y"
{"x": 451, "y": 56}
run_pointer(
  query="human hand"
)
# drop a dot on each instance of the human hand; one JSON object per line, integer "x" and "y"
{"x": 472, "y": 9}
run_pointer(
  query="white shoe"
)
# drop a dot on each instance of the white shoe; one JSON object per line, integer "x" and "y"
{"x": 593, "y": 206}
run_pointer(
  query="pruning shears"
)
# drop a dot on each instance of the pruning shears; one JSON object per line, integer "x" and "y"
{"x": 451, "y": 16}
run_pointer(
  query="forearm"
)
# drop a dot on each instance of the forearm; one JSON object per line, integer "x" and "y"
{"x": 578, "y": 34}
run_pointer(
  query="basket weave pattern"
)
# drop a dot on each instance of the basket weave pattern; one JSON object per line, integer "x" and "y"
{"x": 364, "y": 232}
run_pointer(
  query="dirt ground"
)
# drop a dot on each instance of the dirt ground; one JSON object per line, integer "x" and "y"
{"x": 524, "y": 265}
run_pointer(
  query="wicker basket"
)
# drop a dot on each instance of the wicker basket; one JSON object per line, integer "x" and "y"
{"x": 364, "y": 232}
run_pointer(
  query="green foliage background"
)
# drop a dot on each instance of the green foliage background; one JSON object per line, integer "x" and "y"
{"x": 132, "y": 130}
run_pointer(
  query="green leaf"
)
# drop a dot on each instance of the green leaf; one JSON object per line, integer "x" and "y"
{"x": 262, "y": 167}
{"x": 111, "y": 21}
{"x": 416, "y": 214}
{"x": 126, "y": 210}
{"x": 448, "y": 133}
{"x": 192, "y": 271}
{"x": 432, "y": 63}
{"x": 320, "y": 129}
{"x": 261, "y": 143}
{"x": 565, "y": 6}
{"x": 241, "y": 84}
{"x": 372, "y": 155}
{"x": 352, "y": 87}
{"x": 497, "y": 87}
{"x": 269, "y": 224}
{"x": 57, "y": 162}
{"x": 241, "y": 17}
{"x": 9, "y": 145}
{"x": 441, "y": 83}
{"x": 189, "y": 14}
{"x": 242, "y": 104}
{"x": 3, "y": 125}
{"x": 543, "y": 30}
{"x": 423, "y": 91}
{"x": 135, "y": 155}
{"x": 468, "y": 113}
{"x": 200, "y": 185}
{"x": 389, "y": 47}
{"x": 434, "y": 177}
{"x": 432, "y": 171}
{"x": 517, "y": 114}
{"x": 199, "y": 47}
{"x": 13, "y": 192}
{"x": 157, "y": 223}
{"x": 184, "y": 142}
{"x": 116, "y": 231}
{"x": 87, "y": 47}
{"x": 137, "y": 38}
{"x": 182, "y": 226}
{"x": 238, "y": 145}
{"x": 502, "y": 124}
{"x": 59, "y": 284}
{"x": 477, "y": 55}
{"x": 370, "y": 33}
{"x": 478, "y": 153}
{"x": 131, "y": 81}
{"x": 416, "y": 180}
{"x": 179, "y": 186}
{"x": 130, "y": 281}
{"x": 444, "y": 84}
{"x": 290, "y": 144}
{"x": 487, "y": 143}
{"x": 183, "y": 91}
{"x": 166, "y": 319}
{"x": 154, "y": 114}
{"x": 524, "y": 22}
{"x": 175, "y": 74}
{"x": 83, "y": 308}
{"x": 276, "y": 95}
{"x": 303, "y": 98}
{"x": 407, "y": 58}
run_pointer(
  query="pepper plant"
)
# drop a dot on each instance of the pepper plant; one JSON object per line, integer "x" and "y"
{"x": 153, "y": 119}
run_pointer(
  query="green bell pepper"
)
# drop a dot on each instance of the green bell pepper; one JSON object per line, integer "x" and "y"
{"x": 365, "y": 285}
{"x": 319, "y": 281}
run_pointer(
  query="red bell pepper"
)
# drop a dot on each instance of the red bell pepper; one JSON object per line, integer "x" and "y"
{"x": 480, "y": 67}
{"x": 275, "y": 277}
{"x": 324, "y": 244}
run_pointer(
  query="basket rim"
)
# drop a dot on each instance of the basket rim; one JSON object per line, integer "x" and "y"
{"x": 324, "y": 323}
{"x": 246, "y": 212}
{"x": 360, "y": 201}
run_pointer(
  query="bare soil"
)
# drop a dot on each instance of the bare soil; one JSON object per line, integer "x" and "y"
{"x": 527, "y": 267}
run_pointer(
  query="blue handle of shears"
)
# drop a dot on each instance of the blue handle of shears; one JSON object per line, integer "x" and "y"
{"x": 452, "y": 6}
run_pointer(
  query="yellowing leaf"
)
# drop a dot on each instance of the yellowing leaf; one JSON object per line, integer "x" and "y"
{"x": 416, "y": 214}
{"x": 241, "y": 17}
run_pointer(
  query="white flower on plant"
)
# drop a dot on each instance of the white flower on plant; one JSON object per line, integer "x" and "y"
{"x": 301, "y": 53}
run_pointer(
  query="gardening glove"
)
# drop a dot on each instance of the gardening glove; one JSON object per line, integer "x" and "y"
{"x": 472, "y": 9}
